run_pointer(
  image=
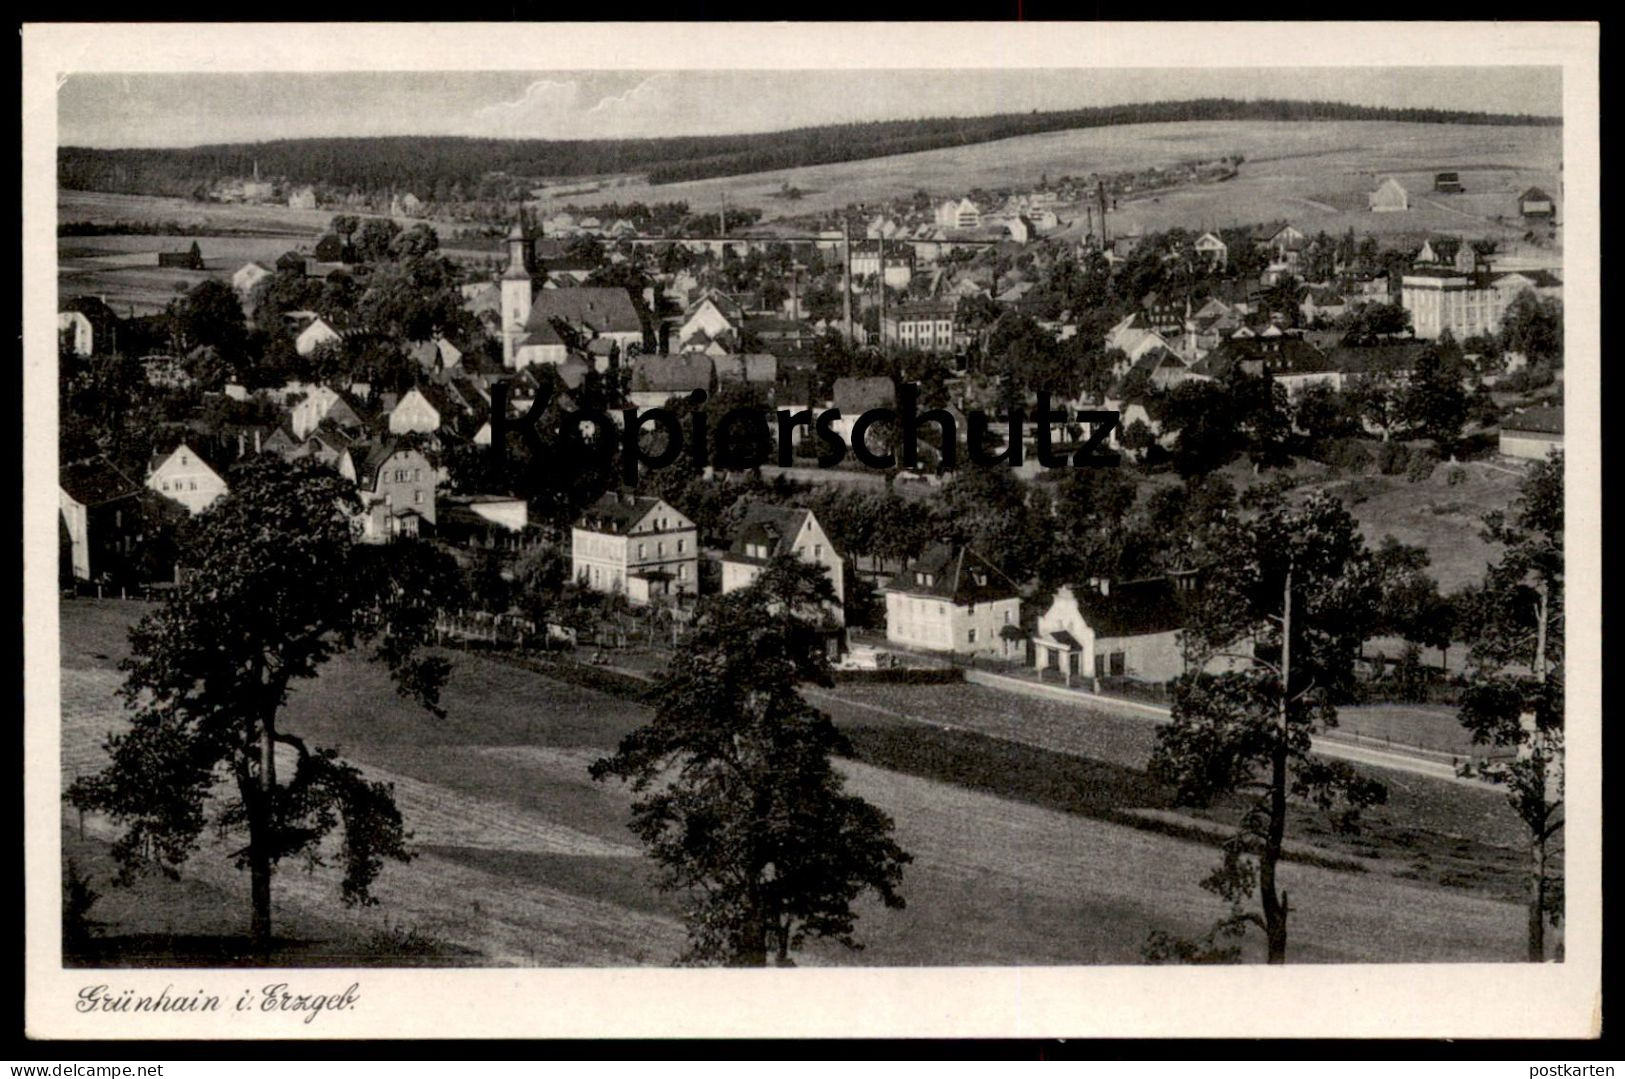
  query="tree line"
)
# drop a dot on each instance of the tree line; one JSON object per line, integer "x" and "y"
{"x": 430, "y": 163}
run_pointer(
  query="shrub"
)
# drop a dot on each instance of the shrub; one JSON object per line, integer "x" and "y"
{"x": 1347, "y": 455}
{"x": 1392, "y": 458}
{"x": 1456, "y": 476}
{"x": 1420, "y": 466}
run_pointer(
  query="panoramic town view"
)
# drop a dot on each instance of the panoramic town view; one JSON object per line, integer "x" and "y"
{"x": 1115, "y": 532}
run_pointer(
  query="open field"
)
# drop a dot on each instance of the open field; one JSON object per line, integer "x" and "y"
{"x": 523, "y": 860}
{"x": 1314, "y": 174}
{"x": 123, "y": 270}
{"x": 1432, "y": 514}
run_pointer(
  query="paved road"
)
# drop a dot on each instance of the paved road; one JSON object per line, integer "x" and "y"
{"x": 1399, "y": 762}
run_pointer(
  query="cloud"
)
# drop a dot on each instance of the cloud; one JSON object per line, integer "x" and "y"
{"x": 536, "y": 113}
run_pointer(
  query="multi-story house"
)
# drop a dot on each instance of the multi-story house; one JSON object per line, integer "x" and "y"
{"x": 636, "y": 545}
{"x": 768, "y": 531}
{"x": 397, "y": 487}
{"x": 951, "y": 599}
{"x": 928, "y": 327}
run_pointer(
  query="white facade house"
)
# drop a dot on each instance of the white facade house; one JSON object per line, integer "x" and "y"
{"x": 768, "y": 531}
{"x": 187, "y": 478}
{"x": 1389, "y": 197}
{"x": 636, "y": 545}
{"x": 247, "y": 276}
{"x": 953, "y": 600}
{"x": 414, "y": 413}
{"x": 315, "y": 335}
{"x": 1533, "y": 434}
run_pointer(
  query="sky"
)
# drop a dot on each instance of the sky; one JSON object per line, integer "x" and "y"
{"x": 190, "y": 109}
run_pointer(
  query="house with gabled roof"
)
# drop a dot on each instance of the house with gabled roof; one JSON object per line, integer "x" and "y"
{"x": 767, "y": 531}
{"x": 658, "y": 379}
{"x": 1128, "y": 629}
{"x": 951, "y": 599}
{"x": 99, "y": 513}
{"x": 1212, "y": 250}
{"x": 1389, "y": 197}
{"x": 318, "y": 333}
{"x": 248, "y": 275}
{"x": 637, "y": 545}
{"x": 1536, "y": 203}
{"x": 397, "y": 484}
{"x": 323, "y": 404}
{"x": 186, "y": 476}
{"x": 1533, "y": 434}
{"x": 423, "y": 409}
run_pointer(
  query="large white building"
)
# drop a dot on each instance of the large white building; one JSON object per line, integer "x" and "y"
{"x": 951, "y": 599}
{"x": 1466, "y": 303}
{"x": 635, "y": 545}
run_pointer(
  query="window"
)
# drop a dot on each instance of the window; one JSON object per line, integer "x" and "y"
{"x": 417, "y": 497}
{"x": 660, "y": 550}
{"x": 389, "y": 500}
{"x": 818, "y": 550}
{"x": 191, "y": 485}
{"x": 679, "y": 546}
{"x": 417, "y": 474}
{"x": 165, "y": 485}
{"x": 1007, "y": 616}
{"x": 970, "y": 636}
{"x": 643, "y": 550}
{"x": 682, "y": 572}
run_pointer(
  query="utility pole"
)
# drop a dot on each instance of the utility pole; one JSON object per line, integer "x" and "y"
{"x": 846, "y": 278}
{"x": 882, "y": 323}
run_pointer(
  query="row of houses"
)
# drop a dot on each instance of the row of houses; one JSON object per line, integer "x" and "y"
{"x": 949, "y": 599}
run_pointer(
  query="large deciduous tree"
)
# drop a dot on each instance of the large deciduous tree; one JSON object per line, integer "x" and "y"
{"x": 1515, "y": 696}
{"x": 1288, "y": 595}
{"x": 276, "y": 587}
{"x": 740, "y": 802}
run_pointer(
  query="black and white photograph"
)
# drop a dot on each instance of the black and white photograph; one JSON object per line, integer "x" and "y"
{"x": 821, "y": 512}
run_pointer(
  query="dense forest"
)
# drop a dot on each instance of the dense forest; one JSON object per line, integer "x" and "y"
{"x": 442, "y": 168}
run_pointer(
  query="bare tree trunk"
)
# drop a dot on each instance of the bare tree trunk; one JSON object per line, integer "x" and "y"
{"x": 1275, "y": 904}
{"x": 1537, "y": 900}
{"x": 260, "y": 820}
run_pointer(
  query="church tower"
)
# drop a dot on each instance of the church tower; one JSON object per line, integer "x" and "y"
{"x": 516, "y": 291}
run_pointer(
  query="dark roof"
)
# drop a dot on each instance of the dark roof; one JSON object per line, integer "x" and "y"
{"x": 92, "y": 307}
{"x": 605, "y": 310}
{"x": 1286, "y": 354}
{"x": 681, "y": 373}
{"x": 747, "y": 367}
{"x": 772, "y": 526}
{"x": 1544, "y": 421}
{"x": 854, "y": 396}
{"x": 1356, "y": 360}
{"x": 1534, "y": 194}
{"x": 1132, "y": 608}
{"x": 374, "y": 459}
{"x": 616, "y": 512}
{"x": 93, "y": 482}
{"x": 957, "y": 574}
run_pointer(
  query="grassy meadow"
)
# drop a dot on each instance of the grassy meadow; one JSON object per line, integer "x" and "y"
{"x": 1036, "y": 841}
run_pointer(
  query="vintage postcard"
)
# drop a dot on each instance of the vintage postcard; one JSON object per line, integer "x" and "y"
{"x": 831, "y": 530}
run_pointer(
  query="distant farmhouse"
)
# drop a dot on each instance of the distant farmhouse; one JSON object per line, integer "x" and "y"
{"x": 188, "y": 258}
{"x": 1389, "y": 197}
{"x": 1536, "y": 203}
{"x": 1448, "y": 183}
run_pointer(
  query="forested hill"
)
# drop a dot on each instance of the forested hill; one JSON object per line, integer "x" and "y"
{"x": 448, "y": 167}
